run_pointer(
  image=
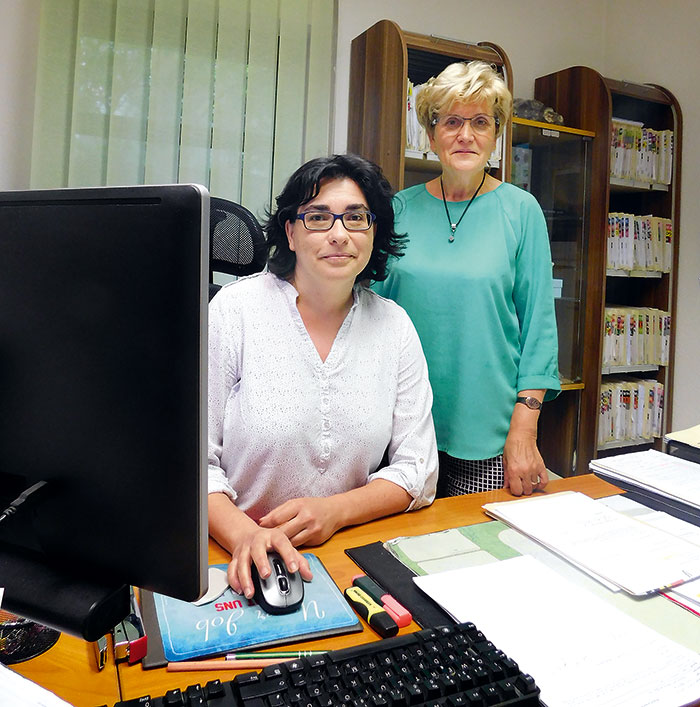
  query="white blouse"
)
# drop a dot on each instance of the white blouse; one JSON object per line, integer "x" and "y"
{"x": 283, "y": 424}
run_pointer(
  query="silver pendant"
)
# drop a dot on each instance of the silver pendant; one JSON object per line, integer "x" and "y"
{"x": 451, "y": 239}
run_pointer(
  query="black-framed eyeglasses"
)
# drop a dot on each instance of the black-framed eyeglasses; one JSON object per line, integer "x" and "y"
{"x": 324, "y": 220}
{"x": 481, "y": 124}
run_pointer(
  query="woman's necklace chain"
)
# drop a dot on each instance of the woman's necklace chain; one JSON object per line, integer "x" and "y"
{"x": 453, "y": 226}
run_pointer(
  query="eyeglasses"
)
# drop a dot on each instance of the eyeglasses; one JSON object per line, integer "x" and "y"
{"x": 480, "y": 124}
{"x": 324, "y": 220}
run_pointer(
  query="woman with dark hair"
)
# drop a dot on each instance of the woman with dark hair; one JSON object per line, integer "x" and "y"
{"x": 314, "y": 379}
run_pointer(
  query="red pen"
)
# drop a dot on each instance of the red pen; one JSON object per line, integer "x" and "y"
{"x": 399, "y": 613}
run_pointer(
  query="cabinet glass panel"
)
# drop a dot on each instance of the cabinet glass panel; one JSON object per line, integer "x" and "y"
{"x": 555, "y": 165}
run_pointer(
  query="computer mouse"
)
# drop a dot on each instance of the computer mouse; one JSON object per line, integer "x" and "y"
{"x": 282, "y": 592}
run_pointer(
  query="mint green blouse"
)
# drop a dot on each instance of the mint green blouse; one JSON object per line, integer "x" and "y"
{"x": 483, "y": 308}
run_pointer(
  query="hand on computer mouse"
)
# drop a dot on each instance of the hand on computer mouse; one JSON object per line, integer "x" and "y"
{"x": 248, "y": 543}
{"x": 282, "y": 591}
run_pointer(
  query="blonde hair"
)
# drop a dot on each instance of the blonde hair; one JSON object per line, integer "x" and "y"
{"x": 466, "y": 82}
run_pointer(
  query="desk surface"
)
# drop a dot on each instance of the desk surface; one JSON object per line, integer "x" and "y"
{"x": 443, "y": 514}
{"x": 69, "y": 670}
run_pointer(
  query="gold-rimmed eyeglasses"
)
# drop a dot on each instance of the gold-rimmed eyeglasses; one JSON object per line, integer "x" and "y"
{"x": 481, "y": 124}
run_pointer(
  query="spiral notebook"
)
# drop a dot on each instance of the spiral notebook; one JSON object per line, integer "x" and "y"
{"x": 178, "y": 630}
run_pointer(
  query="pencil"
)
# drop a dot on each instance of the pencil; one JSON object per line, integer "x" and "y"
{"x": 256, "y": 655}
{"x": 188, "y": 665}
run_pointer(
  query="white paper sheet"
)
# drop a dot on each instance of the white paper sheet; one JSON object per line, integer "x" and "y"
{"x": 17, "y": 691}
{"x": 634, "y": 555}
{"x": 668, "y": 476}
{"x": 581, "y": 651}
{"x": 690, "y": 436}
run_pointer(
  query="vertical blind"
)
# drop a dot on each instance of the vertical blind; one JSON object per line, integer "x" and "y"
{"x": 231, "y": 94}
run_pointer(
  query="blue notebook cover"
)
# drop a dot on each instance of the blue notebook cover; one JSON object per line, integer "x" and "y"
{"x": 232, "y": 622}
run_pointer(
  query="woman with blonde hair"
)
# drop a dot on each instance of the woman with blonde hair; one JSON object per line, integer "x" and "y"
{"x": 476, "y": 280}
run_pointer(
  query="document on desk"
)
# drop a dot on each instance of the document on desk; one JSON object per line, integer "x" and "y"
{"x": 635, "y": 556}
{"x": 580, "y": 650}
{"x": 691, "y": 436}
{"x": 654, "y": 471}
{"x": 18, "y": 691}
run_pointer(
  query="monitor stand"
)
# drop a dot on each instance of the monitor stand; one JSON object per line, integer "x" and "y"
{"x": 21, "y": 639}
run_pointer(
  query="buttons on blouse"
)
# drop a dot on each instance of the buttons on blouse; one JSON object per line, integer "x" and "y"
{"x": 325, "y": 409}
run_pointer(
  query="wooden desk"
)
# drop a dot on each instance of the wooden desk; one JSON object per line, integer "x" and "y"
{"x": 443, "y": 514}
{"x": 68, "y": 669}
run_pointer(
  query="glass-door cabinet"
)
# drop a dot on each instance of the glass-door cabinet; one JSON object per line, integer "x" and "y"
{"x": 553, "y": 162}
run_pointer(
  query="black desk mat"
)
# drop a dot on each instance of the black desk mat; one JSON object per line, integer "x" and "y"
{"x": 397, "y": 579}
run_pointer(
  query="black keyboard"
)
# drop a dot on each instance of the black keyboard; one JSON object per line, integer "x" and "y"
{"x": 452, "y": 665}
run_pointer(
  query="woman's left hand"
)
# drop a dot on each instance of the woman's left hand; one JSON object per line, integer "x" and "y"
{"x": 523, "y": 468}
{"x": 305, "y": 521}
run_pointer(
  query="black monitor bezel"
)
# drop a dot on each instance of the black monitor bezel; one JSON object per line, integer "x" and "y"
{"x": 119, "y": 544}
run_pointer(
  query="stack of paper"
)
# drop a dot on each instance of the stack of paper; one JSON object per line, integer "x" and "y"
{"x": 687, "y": 596}
{"x": 581, "y": 651}
{"x": 691, "y": 436}
{"x": 612, "y": 547}
{"x": 655, "y": 472}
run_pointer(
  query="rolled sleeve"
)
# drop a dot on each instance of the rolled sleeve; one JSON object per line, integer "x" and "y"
{"x": 413, "y": 458}
{"x": 218, "y": 483}
{"x": 534, "y": 301}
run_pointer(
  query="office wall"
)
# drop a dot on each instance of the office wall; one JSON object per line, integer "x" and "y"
{"x": 19, "y": 28}
{"x": 658, "y": 44}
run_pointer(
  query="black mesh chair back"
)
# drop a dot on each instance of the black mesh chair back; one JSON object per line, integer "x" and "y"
{"x": 236, "y": 241}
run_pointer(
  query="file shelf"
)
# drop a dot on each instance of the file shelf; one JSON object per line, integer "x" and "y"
{"x": 590, "y": 101}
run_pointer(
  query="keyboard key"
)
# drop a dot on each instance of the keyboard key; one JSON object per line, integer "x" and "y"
{"x": 174, "y": 698}
{"x": 195, "y": 696}
{"x": 214, "y": 689}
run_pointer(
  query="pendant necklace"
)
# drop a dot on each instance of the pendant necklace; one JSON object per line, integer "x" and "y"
{"x": 453, "y": 226}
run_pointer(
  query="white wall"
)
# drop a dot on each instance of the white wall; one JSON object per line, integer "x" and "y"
{"x": 19, "y": 29}
{"x": 659, "y": 45}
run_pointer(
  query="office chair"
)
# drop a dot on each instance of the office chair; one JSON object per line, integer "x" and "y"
{"x": 236, "y": 241}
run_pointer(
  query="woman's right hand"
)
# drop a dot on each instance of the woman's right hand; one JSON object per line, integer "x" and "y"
{"x": 253, "y": 546}
{"x": 248, "y": 542}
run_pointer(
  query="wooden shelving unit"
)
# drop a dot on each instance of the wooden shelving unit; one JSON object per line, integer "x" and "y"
{"x": 589, "y": 101}
{"x": 382, "y": 59}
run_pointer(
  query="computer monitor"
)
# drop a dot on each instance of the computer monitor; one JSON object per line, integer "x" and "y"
{"x": 103, "y": 296}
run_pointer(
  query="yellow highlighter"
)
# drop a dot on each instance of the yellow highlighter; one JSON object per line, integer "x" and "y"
{"x": 371, "y": 612}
